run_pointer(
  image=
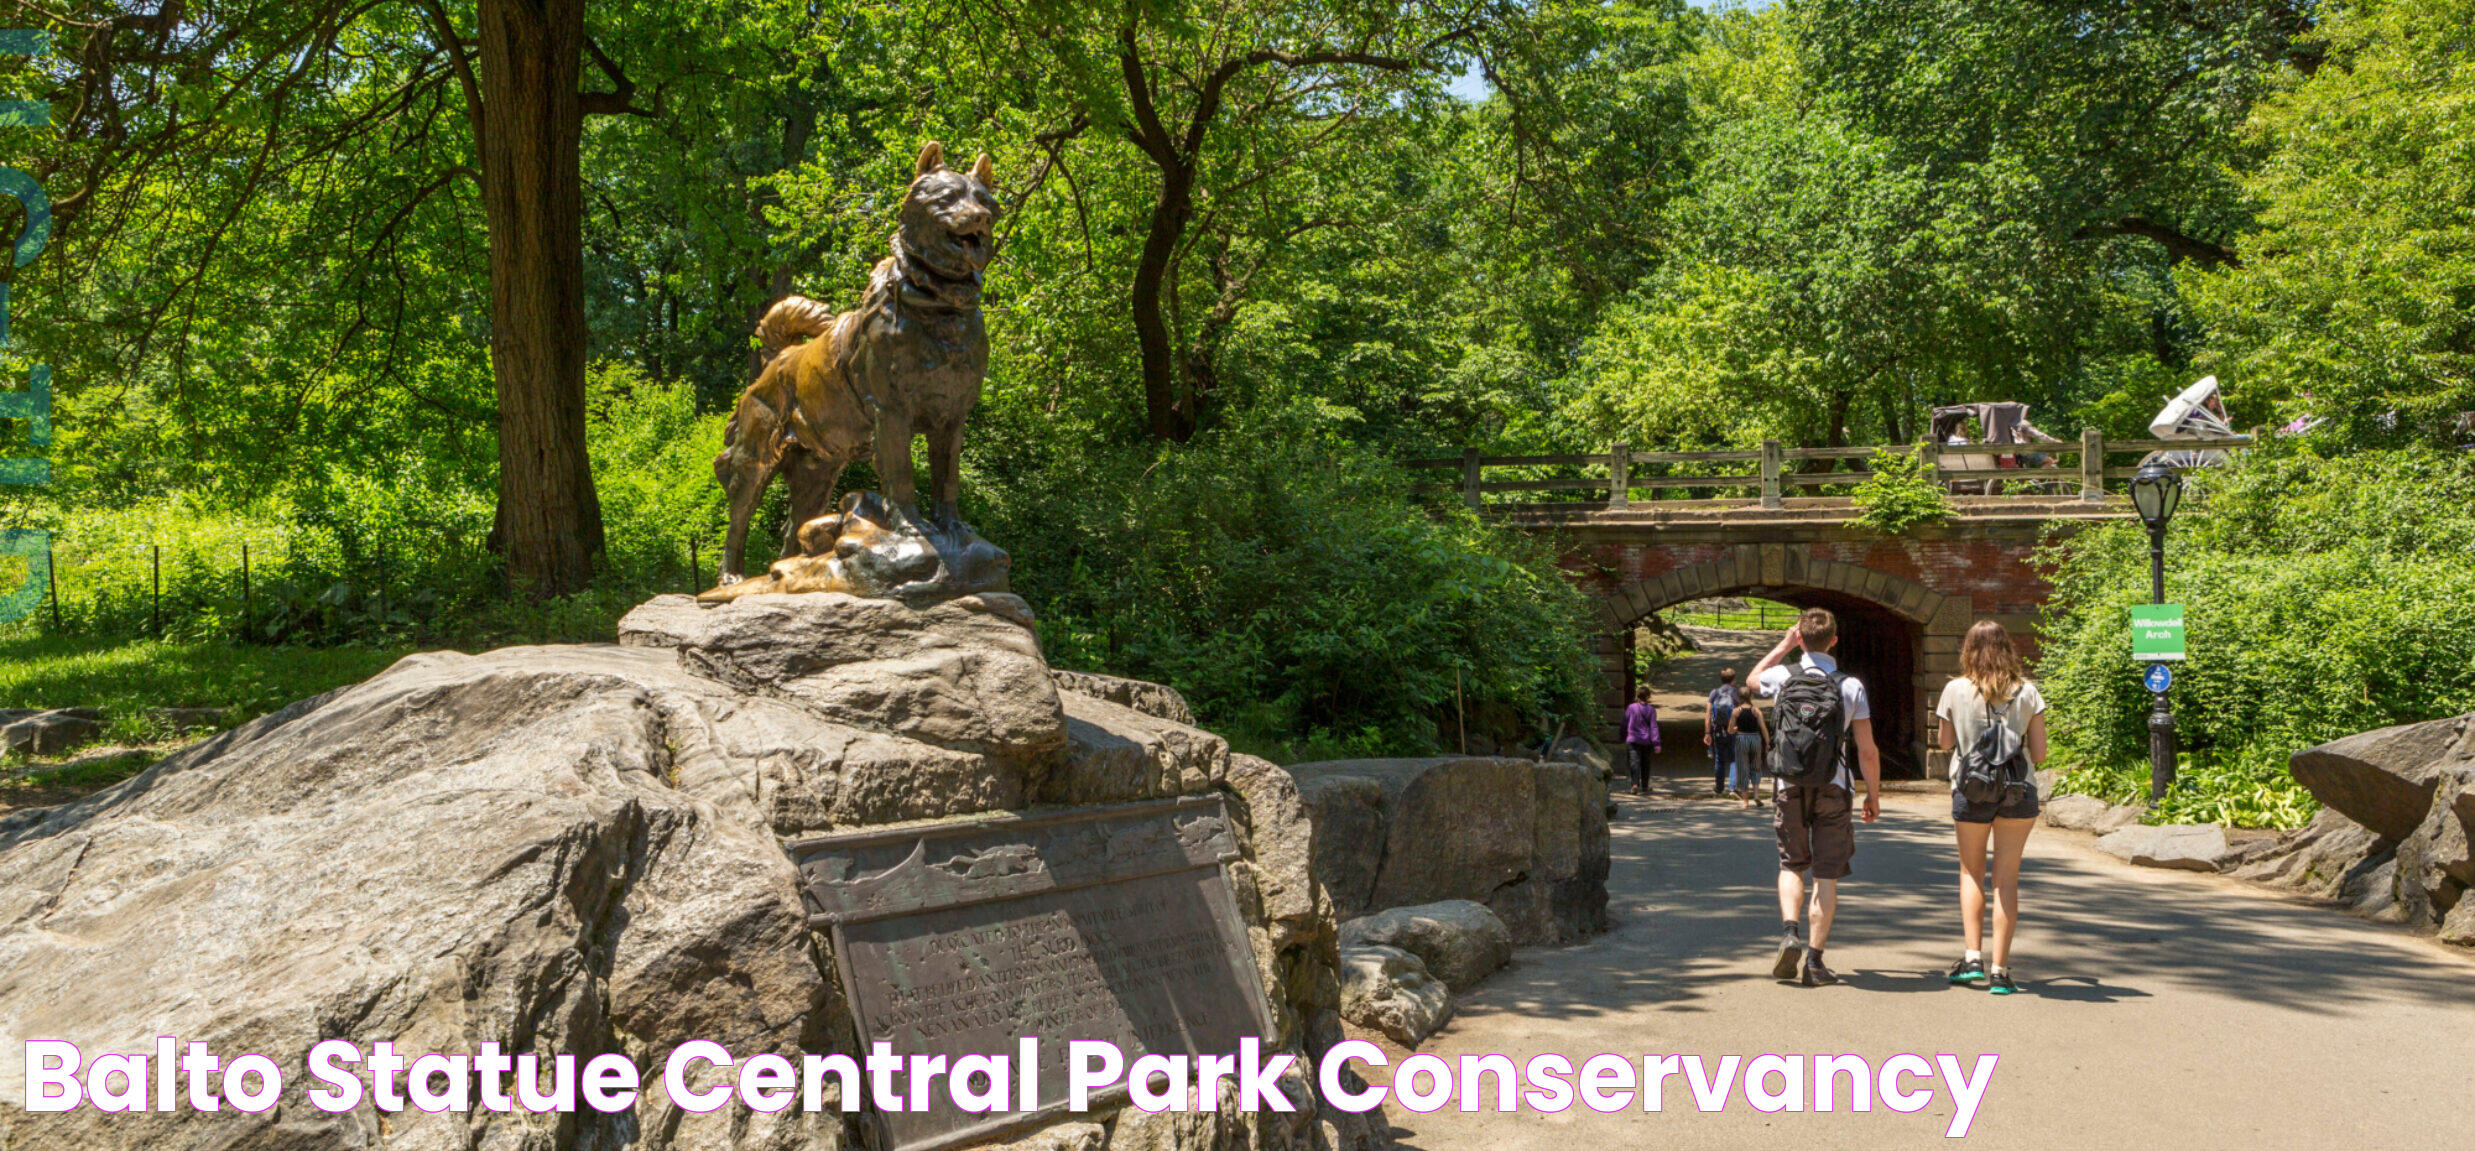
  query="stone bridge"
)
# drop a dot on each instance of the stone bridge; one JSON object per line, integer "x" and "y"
{"x": 1903, "y": 602}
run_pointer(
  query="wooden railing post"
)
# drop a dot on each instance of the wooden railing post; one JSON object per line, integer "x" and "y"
{"x": 2092, "y": 465}
{"x": 1772, "y": 457}
{"x": 1619, "y": 475}
{"x": 1469, "y": 477}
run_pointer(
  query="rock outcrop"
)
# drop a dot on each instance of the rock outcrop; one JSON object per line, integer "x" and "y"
{"x": 1526, "y": 838}
{"x": 2384, "y": 779}
{"x": 2408, "y": 792}
{"x": 578, "y": 850}
{"x": 1390, "y": 990}
{"x": 1460, "y": 942}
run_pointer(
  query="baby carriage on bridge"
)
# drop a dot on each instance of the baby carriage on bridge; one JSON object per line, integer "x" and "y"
{"x": 2199, "y": 413}
{"x": 1998, "y": 426}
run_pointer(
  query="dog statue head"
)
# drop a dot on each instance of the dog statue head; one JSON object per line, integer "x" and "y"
{"x": 949, "y": 218}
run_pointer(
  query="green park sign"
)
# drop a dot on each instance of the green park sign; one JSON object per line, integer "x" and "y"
{"x": 2157, "y": 632}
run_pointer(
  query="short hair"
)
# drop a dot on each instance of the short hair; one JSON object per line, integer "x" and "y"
{"x": 1727, "y": 675}
{"x": 1642, "y": 692}
{"x": 1817, "y": 627}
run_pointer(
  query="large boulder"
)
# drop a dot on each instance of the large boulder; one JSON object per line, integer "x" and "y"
{"x": 1348, "y": 811}
{"x": 2183, "y": 847}
{"x": 2384, "y": 779}
{"x": 1526, "y": 838}
{"x": 2331, "y": 857}
{"x": 2435, "y": 865}
{"x": 1460, "y": 942}
{"x": 1390, "y": 990}
{"x": 578, "y": 850}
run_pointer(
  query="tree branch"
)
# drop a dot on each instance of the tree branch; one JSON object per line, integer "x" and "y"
{"x": 2177, "y": 245}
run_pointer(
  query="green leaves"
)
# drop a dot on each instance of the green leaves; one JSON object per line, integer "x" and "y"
{"x": 1900, "y": 494}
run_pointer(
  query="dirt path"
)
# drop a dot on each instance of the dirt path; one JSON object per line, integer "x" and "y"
{"x": 2160, "y": 1010}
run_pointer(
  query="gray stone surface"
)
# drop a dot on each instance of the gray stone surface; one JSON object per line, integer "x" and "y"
{"x": 2075, "y": 812}
{"x": 2328, "y": 857}
{"x": 51, "y": 732}
{"x": 2118, "y": 817}
{"x": 1390, "y": 990}
{"x": 2183, "y": 847}
{"x": 1152, "y": 699}
{"x": 1461, "y": 942}
{"x": 1348, "y": 812}
{"x": 2435, "y": 866}
{"x": 577, "y": 850}
{"x": 2383, "y": 779}
{"x": 186, "y": 719}
{"x": 1526, "y": 838}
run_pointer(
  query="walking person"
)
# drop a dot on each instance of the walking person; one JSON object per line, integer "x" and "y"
{"x": 1717, "y": 735}
{"x": 1997, "y": 715}
{"x": 1822, "y": 734}
{"x": 1751, "y": 735}
{"x": 1641, "y": 735}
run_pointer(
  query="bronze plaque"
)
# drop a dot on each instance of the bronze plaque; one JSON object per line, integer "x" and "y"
{"x": 1113, "y": 923}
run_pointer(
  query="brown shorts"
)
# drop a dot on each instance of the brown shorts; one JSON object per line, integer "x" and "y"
{"x": 1817, "y": 830}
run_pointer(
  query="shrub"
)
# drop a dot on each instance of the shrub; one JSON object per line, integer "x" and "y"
{"x": 1900, "y": 494}
{"x": 1282, "y": 579}
{"x": 2321, "y": 597}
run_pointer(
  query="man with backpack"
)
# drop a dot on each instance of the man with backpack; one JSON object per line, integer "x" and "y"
{"x": 1818, "y": 718}
{"x": 1722, "y": 744}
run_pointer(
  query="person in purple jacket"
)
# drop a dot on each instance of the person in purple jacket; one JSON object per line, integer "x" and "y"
{"x": 1641, "y": 734}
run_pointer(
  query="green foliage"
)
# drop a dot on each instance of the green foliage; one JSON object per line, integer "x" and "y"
{"x": 2321, "y": 598}
{"x": 1900, "y": 494}
{"x": 2357, "y": 299}
{"x": 126, "y": 678}
{"x": 1280, "y": 578}
{"x": 2248, "y": 789}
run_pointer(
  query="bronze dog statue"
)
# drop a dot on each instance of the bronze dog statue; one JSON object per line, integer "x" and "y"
{"x": 909, "y": 359}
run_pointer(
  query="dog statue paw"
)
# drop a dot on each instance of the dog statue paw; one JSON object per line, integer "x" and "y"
{"x": 876, "y": 549}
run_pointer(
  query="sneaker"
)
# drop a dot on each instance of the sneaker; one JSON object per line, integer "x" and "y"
{"x": 1814, "y": 973}
{"x": 2001, "y": 984}
{"x": 1966, "y": 970}
{"x": 1791, "y": 954}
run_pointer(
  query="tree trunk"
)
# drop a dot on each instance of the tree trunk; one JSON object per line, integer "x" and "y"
{"x": 1167, "y": 417}
{"x": 549, "y": 519}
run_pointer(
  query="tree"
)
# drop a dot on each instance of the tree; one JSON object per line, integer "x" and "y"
{"x": 1196, "y": 89}
{"x": 2357, "y": 301}
{"x": 151, "y": 92}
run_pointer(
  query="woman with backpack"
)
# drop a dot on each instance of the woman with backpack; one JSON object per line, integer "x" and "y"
{"x": 1992, "y": 720}
{"x": 1752, "y": 735}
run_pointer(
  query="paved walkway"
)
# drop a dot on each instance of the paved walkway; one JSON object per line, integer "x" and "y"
{"x": 2159, "y": 1010}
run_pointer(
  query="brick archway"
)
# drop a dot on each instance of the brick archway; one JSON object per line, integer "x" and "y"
{"x": 1900, "y": 636}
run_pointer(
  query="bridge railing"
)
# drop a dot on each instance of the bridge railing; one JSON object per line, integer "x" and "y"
{"x": 1772, "y": 476}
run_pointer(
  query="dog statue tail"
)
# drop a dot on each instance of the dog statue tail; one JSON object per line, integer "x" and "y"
{"x": 792, "y": 320}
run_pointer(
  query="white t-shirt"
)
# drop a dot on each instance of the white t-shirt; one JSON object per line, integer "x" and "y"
{"x": 1851, "y": 700}
{"x": 1964, "y": 707}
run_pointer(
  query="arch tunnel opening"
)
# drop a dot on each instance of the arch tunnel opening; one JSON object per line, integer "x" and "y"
{"x": 1878, "y": 645}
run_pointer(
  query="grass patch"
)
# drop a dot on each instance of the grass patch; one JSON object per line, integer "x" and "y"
{"x": 126, "y": 678}
{"x": 1726, "y": 615}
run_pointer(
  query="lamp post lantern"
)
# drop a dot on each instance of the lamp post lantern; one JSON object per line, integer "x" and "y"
{"x": 2155, "y": 490}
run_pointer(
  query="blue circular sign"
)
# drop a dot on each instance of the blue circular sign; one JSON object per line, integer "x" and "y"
{"x": 2159, "y": 677}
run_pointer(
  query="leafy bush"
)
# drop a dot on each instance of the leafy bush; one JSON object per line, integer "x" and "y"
{"x": 2321, "y": 597}
{"x": 1281, "y": 578}
{"x": 1900, "y": 494}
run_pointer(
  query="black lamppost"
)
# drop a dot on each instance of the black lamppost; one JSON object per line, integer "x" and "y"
{"x": 2155, "y": 490}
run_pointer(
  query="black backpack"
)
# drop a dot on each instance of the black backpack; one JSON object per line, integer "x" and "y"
{"x": 1810, "y": 721}
{"x": 1985, "y": 774}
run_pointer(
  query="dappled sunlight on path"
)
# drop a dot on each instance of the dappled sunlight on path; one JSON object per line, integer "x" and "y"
{"x": 2157, "y": 1009}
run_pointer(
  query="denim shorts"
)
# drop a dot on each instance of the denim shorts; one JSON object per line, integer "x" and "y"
{"x": 2021, "y": 804}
